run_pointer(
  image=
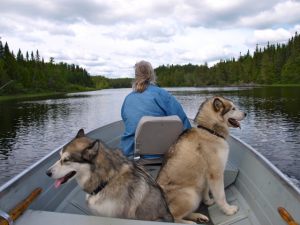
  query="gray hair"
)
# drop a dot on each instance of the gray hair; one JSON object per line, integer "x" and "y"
{"x": 144, "y": 75}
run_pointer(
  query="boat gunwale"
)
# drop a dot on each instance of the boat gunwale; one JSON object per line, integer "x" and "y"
{"x": 28, "y": 170}
{"x": 267, "y": 164}
{"x": 283, "y": 178}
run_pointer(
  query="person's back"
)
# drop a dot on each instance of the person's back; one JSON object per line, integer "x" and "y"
{"x": 146, "y": 100}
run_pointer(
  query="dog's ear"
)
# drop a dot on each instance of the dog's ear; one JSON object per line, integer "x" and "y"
{"x": 80, "y": 133}
{"x": 91, "y": 152}
{"x": 218, "y": 104}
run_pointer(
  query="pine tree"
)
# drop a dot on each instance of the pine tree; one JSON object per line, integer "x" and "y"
{"x": 32, "y": 57}
{"x": 27, "y": 56}
{"x": 1, "y": 49}
{"x": 6, "y": 53}
{"x": 51, "y": 60}
{"x": 20, "y": 56}
{"x": 10, "y": 64}
{"x": 37, "y": 56}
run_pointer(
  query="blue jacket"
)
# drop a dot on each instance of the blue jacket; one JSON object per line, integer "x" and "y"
{"x": 154, "y": 101}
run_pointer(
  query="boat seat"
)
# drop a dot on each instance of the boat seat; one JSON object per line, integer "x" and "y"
{"x": 154, "y": 136}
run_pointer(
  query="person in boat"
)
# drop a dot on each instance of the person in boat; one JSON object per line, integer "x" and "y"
{"x": 146, "y": 99}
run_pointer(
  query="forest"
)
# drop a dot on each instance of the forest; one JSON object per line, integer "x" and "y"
{"x": 272, "y": 64}
{"x": 102, "y": 82}
{"x": 29, "y": 73}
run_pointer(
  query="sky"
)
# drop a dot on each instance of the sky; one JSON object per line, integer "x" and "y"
{"x": 108, "y": 37}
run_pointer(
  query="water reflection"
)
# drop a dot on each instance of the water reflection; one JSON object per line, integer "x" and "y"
{"x": 31, "y": 129}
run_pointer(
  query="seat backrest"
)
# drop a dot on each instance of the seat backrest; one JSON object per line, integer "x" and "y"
{"x": 155, "y": 135}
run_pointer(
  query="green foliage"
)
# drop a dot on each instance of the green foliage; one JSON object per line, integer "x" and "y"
{"x": 275, "y": 64}
{"x": 291, "y": 71}
{"x": 120, "y": 83}
{"x": 30, "y": 74}
{"x": 102, "y": 82}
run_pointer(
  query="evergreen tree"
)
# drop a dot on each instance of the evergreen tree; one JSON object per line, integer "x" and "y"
{"x": 27, "y": 56}
{"x": 32, "y": 57}
{"x": 20, "y": 56}
{"x": 37, "y": 56}
{"x": 1, "y": 49}
{"x": 51, "y": 60}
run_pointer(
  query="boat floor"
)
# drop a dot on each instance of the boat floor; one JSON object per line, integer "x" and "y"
{"x": 73, "y": 210}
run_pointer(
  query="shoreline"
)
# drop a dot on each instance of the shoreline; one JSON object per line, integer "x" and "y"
{"x": 40, "y": 94}
{"x": 49, "y": 94}
{"x": 31, "y": 95}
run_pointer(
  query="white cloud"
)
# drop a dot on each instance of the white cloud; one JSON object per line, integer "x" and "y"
{"x": 281, "y": 14}
{"x": 109, "y": 37}
{"x": 262, "y": 37}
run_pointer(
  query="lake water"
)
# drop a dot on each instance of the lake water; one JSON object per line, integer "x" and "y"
{"x": 31, "y": 129}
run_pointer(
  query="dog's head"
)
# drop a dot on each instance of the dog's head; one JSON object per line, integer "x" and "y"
{"x": 76, "y": 159}
{"x": 219, "y": 110}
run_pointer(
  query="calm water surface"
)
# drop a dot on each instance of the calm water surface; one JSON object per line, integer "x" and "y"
{"x": 31, "y": 129}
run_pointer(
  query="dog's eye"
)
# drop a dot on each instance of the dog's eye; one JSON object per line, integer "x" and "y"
{"x": 65, "y": 160}
{"x": 233, "y": 108}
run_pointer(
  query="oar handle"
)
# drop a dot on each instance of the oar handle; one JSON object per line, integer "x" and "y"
{"x": 286, "y": 216}
{"x": 17, "y": 211}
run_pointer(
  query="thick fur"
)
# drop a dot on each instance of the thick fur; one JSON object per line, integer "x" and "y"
{"x": 129, "y": 191}
{"x": 195, "y": 164}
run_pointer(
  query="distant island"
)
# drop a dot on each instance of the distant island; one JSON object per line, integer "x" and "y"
{"x": 29, "y": 73}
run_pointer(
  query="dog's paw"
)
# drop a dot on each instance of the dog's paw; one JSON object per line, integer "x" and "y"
{"x": 231, "y": 210}
{"x": 198, "y": 218}
{"x": 209, "y": 202}
{"x": 202, "y": 218}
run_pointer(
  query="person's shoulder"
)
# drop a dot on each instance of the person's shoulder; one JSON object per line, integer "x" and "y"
{"x": 157, "y": 89}
{"x": 130, "y": 96}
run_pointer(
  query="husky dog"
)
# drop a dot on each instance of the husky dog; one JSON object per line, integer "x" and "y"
{"x": 115, "y": 186}
{"x": 195, "y": 164}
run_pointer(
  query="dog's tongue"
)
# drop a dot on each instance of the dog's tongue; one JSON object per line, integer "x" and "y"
{"x": 234, "y": 123}
{"x": 58, "y": 182}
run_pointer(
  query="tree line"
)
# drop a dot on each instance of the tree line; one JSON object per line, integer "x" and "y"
{"x": 102, "y": 82}
{"x": 273, "y": 64}
{"x": 29, "y": 73}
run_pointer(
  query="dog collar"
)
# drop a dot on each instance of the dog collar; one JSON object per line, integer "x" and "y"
{"x": 211, "y": 131}
{"x": 99, "y": 188}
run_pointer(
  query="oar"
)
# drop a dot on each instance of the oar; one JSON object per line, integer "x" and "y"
{"x": 286, "y": 216}
{"x": 16, "y": 212}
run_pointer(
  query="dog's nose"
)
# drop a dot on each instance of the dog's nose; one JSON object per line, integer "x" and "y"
{"x": 49, "y": 173}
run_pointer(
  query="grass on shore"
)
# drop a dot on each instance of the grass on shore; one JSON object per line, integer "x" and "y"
{"x": 283, "y": 85}
{"x": 27, "y": 96}
{"x": 69, "y": 89}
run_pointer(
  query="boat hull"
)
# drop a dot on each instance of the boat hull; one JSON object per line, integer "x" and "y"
{"x": 259, "y": 189}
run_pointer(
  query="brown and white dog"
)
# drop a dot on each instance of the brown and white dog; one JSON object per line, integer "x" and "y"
{"x": 195, "y": 164}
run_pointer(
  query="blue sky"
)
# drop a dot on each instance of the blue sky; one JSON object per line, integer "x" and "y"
{"x": 109, "y": 37}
